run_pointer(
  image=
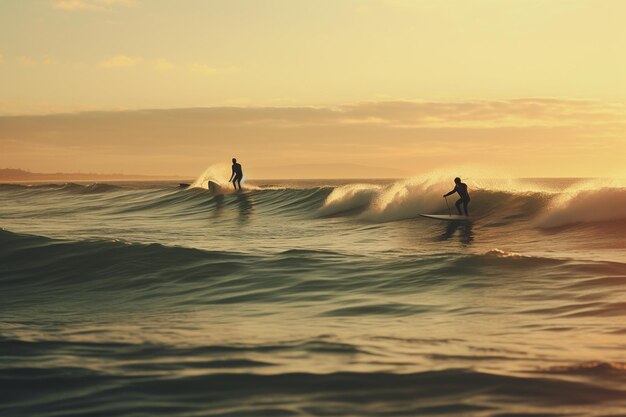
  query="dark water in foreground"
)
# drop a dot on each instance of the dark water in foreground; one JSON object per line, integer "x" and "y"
{"x": 313, "y": 299}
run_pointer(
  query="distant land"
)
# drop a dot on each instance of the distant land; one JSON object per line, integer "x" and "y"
{"x": 15, "y": 175}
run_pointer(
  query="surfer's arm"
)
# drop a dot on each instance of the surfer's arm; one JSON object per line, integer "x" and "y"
{"x": 232, "y": 175}
{"x": 450, "y": 193}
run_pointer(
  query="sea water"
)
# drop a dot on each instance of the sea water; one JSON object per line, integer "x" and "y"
{"x": 299, "y": 298}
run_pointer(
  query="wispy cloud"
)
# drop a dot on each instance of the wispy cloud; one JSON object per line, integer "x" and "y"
{"x": 203, "y": 69}
{"x": 89, "y": 5}
{"x": 533, "y": 136}
{"x": 119, "y": 61}
{"x": 566, "y": 137}
{"x": 26, "y": 61}
{"x": 209, "y": 70}
{"x": 487, "y": 113}
{"x": 27, "y": 107}
{"x": 163, "y": 65}
{"x": 48, "y": 60}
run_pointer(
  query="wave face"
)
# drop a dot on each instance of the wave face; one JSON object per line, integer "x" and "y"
{"x": 545, "y": 205}
{"x": 312, "y": 298}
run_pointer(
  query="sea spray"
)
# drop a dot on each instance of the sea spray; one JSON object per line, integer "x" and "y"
{"x": 218, "y": 173}
{"x": 348, "y": 197}
{"x": 588, "y": 202}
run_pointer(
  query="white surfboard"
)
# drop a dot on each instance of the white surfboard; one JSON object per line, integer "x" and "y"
{"x": 446, "y": 217}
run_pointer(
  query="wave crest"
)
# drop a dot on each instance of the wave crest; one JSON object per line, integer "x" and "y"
{"x": 216, "y": 173}
{"x": 592, "y": 367}
{"x": 495, "y": 202}
{"x": 347, "y": 198}
{"x": 592, "y": 202}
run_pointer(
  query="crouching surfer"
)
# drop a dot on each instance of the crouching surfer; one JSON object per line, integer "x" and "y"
{"x": 461, "y": 189}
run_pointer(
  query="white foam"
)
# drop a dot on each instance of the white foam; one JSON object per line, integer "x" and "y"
{"x": 407, "y": 198}
{"x": 218, "y": 173}
{"x": 592, "y": 201}
{"x": 499, "y": 253}
{"x": 348, "y": 197}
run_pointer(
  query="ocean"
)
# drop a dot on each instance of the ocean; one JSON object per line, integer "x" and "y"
{"x": 313, "y": 298}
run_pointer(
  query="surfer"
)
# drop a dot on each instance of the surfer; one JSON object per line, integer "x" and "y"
{"x": 460, "y": 188}
{"x": 237, "y": 174}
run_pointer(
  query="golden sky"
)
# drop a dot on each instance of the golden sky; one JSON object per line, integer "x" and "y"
{"x": 321, "y": 88}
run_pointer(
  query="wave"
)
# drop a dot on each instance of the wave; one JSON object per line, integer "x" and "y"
{"x": 68, "y": 187}
{"x": 494, "y": 202}
{"x": 408, "y": 198}
{"x": 591, "y": 368}
{"x": 136, "y": 274}
{"x": 347, "y": 198}
{"x": 502, "y": 203}
{"x": 172, "y": 391}
{"x": 598, "y": 201}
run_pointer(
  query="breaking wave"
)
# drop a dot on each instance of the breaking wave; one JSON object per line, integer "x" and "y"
{"x": 497, "y": 201}
{"x": 598, "y": 201}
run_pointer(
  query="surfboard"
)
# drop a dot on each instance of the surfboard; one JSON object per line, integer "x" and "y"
{"x": 447, "y": 217}
{"x": 214, "y": 187}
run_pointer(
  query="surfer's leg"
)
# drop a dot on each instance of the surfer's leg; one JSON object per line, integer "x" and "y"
{"x": 465, "y": 203}
{"x": 458, "y": 206}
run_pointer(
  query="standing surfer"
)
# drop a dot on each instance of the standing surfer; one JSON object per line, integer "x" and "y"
{"x": 237, "y": 174}
{"x": 460, "y": 188}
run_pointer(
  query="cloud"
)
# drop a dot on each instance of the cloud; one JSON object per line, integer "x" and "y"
{"x": 26, "y": 61}
{"x": 25, "y": 107}
{"x": 203, "y": 69}
{"x": 163, "y": 65}
{"x": 533, "y": 136}
{"x": 119, "y": 61}
{"x": 480, "y": 114}
{"x": 515, "y": 112}
{"x": 210, "y": 70}
{"x": 47, "y": 60}
{"x": 89, "y": 5}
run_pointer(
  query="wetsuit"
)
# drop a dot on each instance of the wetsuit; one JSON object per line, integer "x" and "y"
{"x": 238, "y": 174}
{"x": 461, "y": 188}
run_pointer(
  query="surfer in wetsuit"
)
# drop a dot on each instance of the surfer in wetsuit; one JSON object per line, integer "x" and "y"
{"x": 237, "y": 174}
{"x": 460, "y": 188}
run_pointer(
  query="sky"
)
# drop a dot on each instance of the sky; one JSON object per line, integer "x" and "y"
{"x": 325, "y": 88}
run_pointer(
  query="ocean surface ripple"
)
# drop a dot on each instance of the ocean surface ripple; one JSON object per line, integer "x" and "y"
{"x": 313, "y": 298}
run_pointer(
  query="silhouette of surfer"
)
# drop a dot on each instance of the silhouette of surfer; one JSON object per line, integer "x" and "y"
{"x": 460, "y": 188}
{"x": 237, "y": 174}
